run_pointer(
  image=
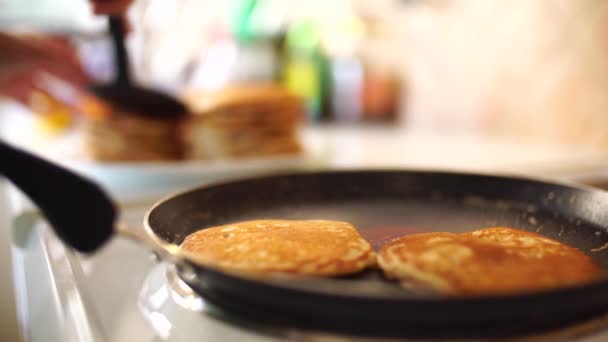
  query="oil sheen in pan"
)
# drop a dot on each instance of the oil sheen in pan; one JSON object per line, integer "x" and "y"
{"x": 381, "y": 220}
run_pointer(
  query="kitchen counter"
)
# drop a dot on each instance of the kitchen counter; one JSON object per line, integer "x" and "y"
{"x": 395, "y": 146}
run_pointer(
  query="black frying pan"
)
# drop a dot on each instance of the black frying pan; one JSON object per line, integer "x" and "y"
{"x": 383, "y": 204}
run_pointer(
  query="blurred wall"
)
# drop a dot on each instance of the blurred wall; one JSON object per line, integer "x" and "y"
{"x": 534, "y": 70}
{"x": 50, "y": 15}
{"x": 531, "y": 69}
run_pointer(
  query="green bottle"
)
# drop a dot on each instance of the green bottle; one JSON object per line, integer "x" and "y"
{"x": 303, "y": 66}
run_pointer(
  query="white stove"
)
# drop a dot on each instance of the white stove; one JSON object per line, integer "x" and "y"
{"x": 124, "y": 294}
{"x": 119, "y": 294}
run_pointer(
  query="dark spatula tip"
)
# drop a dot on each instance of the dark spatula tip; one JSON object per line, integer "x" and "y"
{"x": 140, "y": 101}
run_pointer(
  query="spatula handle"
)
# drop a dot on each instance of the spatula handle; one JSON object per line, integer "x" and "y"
{"x": 117, "y": 32}
{"x": 79, "y": 211}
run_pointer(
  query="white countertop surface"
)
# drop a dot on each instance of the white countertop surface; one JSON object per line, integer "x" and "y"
{"x": 353, "y": 146}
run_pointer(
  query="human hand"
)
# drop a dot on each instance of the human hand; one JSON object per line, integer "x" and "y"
{"x": 23, "y": 59}
{"x": 110, "y": 7}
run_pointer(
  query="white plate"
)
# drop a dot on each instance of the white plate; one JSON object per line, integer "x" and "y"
{"x": 132, "y": 181}
{"x": 143, "y": 181}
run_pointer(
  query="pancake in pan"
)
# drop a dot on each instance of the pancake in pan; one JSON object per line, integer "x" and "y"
{"x": 266, "y": 247}
{"x": 486, "y": 261}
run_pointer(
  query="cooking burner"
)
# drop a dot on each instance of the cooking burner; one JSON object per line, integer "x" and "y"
{"x": 66, "y": 296}
{"x": 167, "y": 304}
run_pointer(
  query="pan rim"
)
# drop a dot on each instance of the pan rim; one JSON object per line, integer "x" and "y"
{"x": 593, "y": 286}
{"x": 217, "y": 183}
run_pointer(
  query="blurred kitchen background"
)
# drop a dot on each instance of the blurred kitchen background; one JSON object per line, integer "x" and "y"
{"x": 532, "y": 71}
{"x": 529, "y": 70}
{"x": 512, "y": 86}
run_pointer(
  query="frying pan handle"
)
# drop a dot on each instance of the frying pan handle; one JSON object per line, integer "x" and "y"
{"x": 164, "y": 251}
{"x": 79, "y": 211}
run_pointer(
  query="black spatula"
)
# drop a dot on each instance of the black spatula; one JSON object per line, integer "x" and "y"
{"x": 123, "y": 94}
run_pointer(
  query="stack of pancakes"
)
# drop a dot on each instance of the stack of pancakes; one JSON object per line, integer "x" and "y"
{"x": 241, "y": 121}
{"x": 120, "y": 136}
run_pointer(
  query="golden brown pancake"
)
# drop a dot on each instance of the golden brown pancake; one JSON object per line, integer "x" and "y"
{"x": 486, "y": 261}
{"x": 264, "y": 247}
{"x": 119, "y": 137}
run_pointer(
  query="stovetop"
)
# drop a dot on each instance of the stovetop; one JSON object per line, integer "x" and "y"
{"x": 123, "y": 293}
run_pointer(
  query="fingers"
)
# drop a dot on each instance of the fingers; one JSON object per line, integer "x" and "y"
{"x": 19, "y": 51}
{"x": 19, "y": 81}
{"x": 74, "y": 75}
{"x": 17, "y": 84}
{"x": 24, "y": 58}
{"x": 112, "y": 7}
{"x": 57, "y": 47}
